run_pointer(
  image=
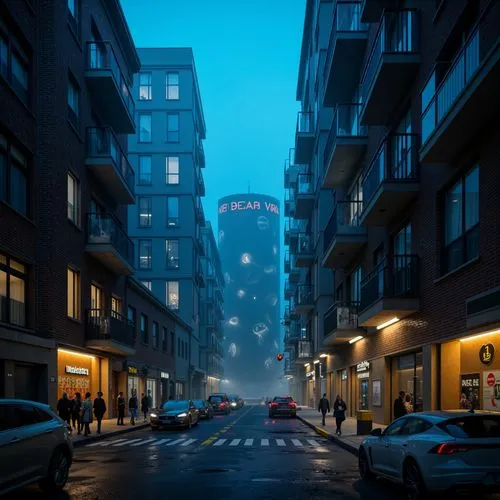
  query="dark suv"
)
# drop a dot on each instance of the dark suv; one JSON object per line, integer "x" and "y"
{"x": 285, "y": 406}
{"x": 220, "y": 403}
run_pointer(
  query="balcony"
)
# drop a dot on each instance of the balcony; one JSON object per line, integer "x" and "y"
{"x": 304, "y": 196}
{"x": 344, "y": 236}
{"x": 200, "y": 213}
{"x": 346, "y": 49}
{"x": 304, "y": 350}
{"x": 340, "y": 324}
{"x": 304, "y": 137}
{"x": 289, "y": 368}
{"x": 345, "y": 147}
{"x": 390, "y": 291}
{"x": 108, "y": 242}
{"x": 289, "y": 289}
{"x": 200, "y": 278}
{"x": 450, "y": 117}
{"x": 392, "y": 66}
{"x": 289, "y": 203}
{"x": 305, "y": 250}
{"x": 291, "y": 172}
{"x": 291, "y": 231}
{"x": 107, "y": 161}
{"x": 200, "y": 183}
{"x": 304, "y": 299}
{"x": 108, "y": 88}
{"x": 291, "y": 267}
{"x": 392, "y": 181}
{"x": 109, "y": 332}
{"x": 371, "y": 10}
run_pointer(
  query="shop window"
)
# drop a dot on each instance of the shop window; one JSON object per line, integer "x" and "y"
{"x": 13, "y": 277}
{"x": 407, "y": 376}
{"x": 73, "y": 294}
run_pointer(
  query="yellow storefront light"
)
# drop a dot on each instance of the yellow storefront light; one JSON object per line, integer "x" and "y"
{"x": 73, "y": 353}
{"x": 479, "y": 335}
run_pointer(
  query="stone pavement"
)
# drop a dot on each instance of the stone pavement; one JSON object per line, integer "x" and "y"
{"x": 349, "y": 439}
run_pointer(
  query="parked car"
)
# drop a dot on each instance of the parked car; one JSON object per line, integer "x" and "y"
{"x": 283, "y": 406}
{"x": 436, "y": 451}
{"x": 220, "y": 403}
{"x": 181, "y": 413}
{"x": 35, "y": 445}
{"x": 204, "y": 408}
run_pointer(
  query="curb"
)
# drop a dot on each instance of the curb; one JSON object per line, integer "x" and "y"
{"x": 98, "y": 437}
{"x": 334, "y": 439}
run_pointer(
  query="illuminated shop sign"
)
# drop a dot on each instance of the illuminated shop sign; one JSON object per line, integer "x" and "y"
{"x": 132, "y": 370}
{"x": 76, "y": 370}
{"x": 243, "y": 205}
{"x": 487, "y": 354}
{"x": 363, "y": 369}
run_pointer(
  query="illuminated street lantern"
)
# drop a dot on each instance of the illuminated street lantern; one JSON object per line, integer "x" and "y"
{"x": 279, "y": 357}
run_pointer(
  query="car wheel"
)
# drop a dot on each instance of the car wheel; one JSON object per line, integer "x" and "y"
{"x": 58, "y": 472}
{"x": 364, "y": 467}
{"x": 413, "y": 481}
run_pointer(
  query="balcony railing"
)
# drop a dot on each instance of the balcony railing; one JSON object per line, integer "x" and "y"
{"x": 396, "y": 161}
{"x": 346, "y": 213}
{"x": 304, "y": 184}
{"x": 343, "y": 315}
{"x": 304, "y": 295}
{"x": 104, "y": 324}
{"x": 305, "y": 244}
{"x": 101, "y": 56}
{"x": 12, "y": 311}
{"x": 305, "y": 123}
{"x": 304, "y": 349}
{"x": 103, "y": 229}
{"x": 102, "y": 143}
{"x": 398, "y": 33}
{"x": 395, "y": 277}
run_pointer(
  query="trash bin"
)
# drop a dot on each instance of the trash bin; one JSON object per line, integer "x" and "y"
{"x": 364, "y": 422}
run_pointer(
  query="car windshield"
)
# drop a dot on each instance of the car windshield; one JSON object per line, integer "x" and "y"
{"x": 215, "y": 399}
{"x": 199, "y": 403}
{"x": 282, "y": 400}
{"x": 473, "y": 427}
{"x": 175, "y": 405}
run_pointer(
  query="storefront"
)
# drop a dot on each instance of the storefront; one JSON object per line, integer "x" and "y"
{"x": 152, "y": 391}
{"x": 77, "y": 372}
{"x": 407, "y": 376}
{"x": 133, "y": 386}
{"x": 164, "y": 387}
{"x": 362, "y": 388}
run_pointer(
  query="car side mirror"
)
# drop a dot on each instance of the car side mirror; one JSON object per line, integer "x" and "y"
{"x": 376, "y": 432}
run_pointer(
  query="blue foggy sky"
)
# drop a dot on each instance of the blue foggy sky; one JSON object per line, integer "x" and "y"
{"x": 246, "y": 54}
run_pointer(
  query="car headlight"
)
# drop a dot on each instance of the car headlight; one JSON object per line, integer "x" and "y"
{"x": 153, "y": 415}
{"x": 182, "y": 415}
{"x": 233, "y": 404}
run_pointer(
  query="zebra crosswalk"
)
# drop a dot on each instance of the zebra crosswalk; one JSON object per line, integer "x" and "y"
{"x": 185, "y": 443}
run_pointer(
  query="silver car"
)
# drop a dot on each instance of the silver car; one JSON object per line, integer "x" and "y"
{"x": 35, "y": 445}
{"x": 437, "y": 451}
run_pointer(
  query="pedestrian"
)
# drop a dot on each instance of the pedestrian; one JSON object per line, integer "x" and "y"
{"x": 76, "y": 412}
{"x": 399, "y": 405}
{"x": 121, "y": 409}
{"x": 408, "y": 404}
{"x": 87, "y": 413}
{"x": 339, "y": 409}
{"x": 64, "y": 407}
{"x": 145, "y": 406}
{"x": 99, "y": 410}
{"x": 324, "y": 406}
{"x": 132, "y": 408}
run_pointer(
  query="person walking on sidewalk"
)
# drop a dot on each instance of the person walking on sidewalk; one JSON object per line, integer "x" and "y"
{"x": 324, "y": 406}
{"x": 145, "y": 406}
{"x": 64, "y": 407}
{"x": 76, "y": 413}
{"x": 339, "y": 409}
{"x": 132, "y": 408}
{"x": 87, "y": 413}
{"x": 99, "y": 410}
{"x": 121, "y": 409}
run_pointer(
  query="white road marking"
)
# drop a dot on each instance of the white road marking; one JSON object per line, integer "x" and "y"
{"x": 235, "y": 442}
{"x": 248, "y": 442}
{"x": 146, "y": 441}
{"x": 161, "y": 441}
{"x": 219, "y": 442}
{"x": 313, "y": 442}
{"x": 177, "y": 441}
{"x": 296, "y": 442}
{"x": 130, "y": 441}
{"x": 264, "y": 442}
{"x": 106, "y": 443}
{"x": 188, "y": 442}
{"x": 280, "y": 442}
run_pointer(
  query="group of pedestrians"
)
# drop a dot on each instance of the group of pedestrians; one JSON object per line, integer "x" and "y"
{"x": 133, "y": 407}
{"x": 339, "y": 409}
{"x": 403, "y": 404}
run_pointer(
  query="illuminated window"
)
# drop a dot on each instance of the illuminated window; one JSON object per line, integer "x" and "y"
{"x": 116, "y": 307}
{"x": 145, "y": 248}
{"x": 172, "y": 289}
{"x": 145, "y": 211}
{"x": 73, "y": 294}
{"x": 172, "y": 170}
{"x": 172, "y": 86}
{"x": 147, "y": 284}
{"x": 145, "y": 86}
{"x": 172, "y": 250}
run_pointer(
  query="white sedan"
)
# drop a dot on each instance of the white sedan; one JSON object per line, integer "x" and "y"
{"x": 436, "y": 451}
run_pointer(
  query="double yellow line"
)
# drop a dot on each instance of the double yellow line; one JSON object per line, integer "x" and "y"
{"x": 216, "y": 436}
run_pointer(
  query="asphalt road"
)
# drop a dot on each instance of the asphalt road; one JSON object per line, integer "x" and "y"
{"x": 242, "y": 456}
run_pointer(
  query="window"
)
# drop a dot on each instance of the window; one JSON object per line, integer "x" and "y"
{"x": 145, "y": 254}
{"x": 73, "y": 101}
{"x": 116, "y": 307}
{"x": 144, "y": 329}
{"x": 95, "y": 300}
{"x": 13, "y": 277}
{"x": 145, "y": 87}
{"x": 131, "y": 315}
{"x": 145, "y": 171}
{"x": 147, "y": 284}
{"x": 73, "y": 200}
{"x": 173, "y": 294}
{"x": 172, "y": 249}
{"x": 145, "y": 211}
{"x": 164, "y": 339}
{"x": 461, "y": 238}
{"x": 172, "y": 86}
{"x": 355, "y": 283}
{"x": 172, "y": 343}
{"x": 179, "y": 347}
{"x": 396, "y": 428}
{"x": 173, "y": 127}
{"x": 402, "y": 242}
{"x": 154, "y": 334}
{"x": 144, "y": 127}
{"x": 172, "y": 211}
{"x": 416, "y": 426}
{"x": 74, "y": 15}
{"x": 73, "y": 294}
{"x": 14, "y": 187}
{"x": 172, "y": 170}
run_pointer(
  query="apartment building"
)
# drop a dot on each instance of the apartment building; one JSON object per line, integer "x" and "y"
{"x": 165, "y": 223}
{"x": 211, "y": 313}
{"x": 408, "y": 164}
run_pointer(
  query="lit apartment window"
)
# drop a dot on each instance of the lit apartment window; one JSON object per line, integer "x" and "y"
{"x": 73, "y": 294}
{"x": 14, "y": 186}
{"x": 145, "y": 127}
{"x": 12, "y": 291}
{"x": 154, "y": 335}
{"x": 145, "y": 254}
{"x": 144, "y": 329}
{"x": 147, "y": 284}
{"x": 173, "y": 127}
{"x": 74, "y": 14}
{"x": 461, "y": 237}
{"x": 73, "y": 200}
{"x": 145, "y": 171}
{"x": 172, "y": 170}
{"x": 145, "y": 87}
{"x": 145, "y": 211}
{"x": 172, "y": 211}
{"x": 172, "y": 249}
{"x": 172, "y": 86}
{"x": 116, "y": 307}
{"x": 73, "y": 101}
{"x": 172, "y": 294}
{"x": 164, "y": 340}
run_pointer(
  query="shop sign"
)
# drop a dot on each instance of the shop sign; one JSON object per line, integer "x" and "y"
{"x": 164, "y": 375}
{"x": 470, "y": 385}
{"x": 363, "y": 367}
{"x": 487, "y": 354}
{"x": 77, "y": 370}
{"x": 132, "y": 370}
{"x": 491, "y": 390}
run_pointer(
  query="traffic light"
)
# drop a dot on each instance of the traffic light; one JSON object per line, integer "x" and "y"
{"x": 279, "y": 357}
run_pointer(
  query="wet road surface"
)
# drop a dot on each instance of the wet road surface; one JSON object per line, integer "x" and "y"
{"x": 242, "y": 456}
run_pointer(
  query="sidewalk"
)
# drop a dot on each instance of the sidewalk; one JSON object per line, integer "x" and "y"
{"x": 349, "y": 440}
{"x": 108, "y": 429}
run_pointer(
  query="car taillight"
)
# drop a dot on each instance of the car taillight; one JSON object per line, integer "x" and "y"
{"x": 274, "y": 404}
{"x": 222, "y": 405}
{"x": 292, "y": 404}
{"x": 450, "y": 449}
